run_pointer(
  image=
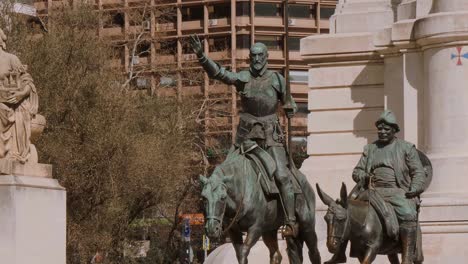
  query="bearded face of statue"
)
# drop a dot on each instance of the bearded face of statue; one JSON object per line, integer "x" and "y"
{"x": 258, "y": 57}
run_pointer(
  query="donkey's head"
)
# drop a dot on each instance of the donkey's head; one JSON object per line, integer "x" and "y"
{"x": 214, "y": 194}
{"x": 336, "y": 218}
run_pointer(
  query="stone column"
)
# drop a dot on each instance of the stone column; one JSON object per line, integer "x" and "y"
{"x": 443, "y": 36}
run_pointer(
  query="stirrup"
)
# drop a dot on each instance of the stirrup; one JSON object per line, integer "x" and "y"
{"x": 291, "y": 229}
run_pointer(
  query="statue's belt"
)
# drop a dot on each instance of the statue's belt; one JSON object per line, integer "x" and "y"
{"x": 264, "y": 120}
{"x": 264, "y": 127}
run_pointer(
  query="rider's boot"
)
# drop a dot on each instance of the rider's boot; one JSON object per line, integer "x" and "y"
{"x": 287, "y": 194}
{"x": 408, "y": 241}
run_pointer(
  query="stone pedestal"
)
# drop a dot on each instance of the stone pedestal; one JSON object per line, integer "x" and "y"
{"x": 32, "y": 217}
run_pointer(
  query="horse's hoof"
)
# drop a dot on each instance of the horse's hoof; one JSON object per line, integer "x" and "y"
{"x": 335, "y": 260}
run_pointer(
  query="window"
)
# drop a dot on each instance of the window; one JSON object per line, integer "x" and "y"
{"x": 168, "y": 47}
{"x": 299, "y": 77}
{"x": 326, "y": 12}
{"x": 167, "y": 81}
{"x": 302, "y": 108}
{"x": 272, "y": 42}
{"x": 243, "y": 41}
{"x": 219, "y": 44}
{"x": 143, "y": 49}
{"x": 219, "y": 11}
{"x": 114, "y": 19}
{"x": 243, "y": 9}
{"x": 301, "y": 11}
{"x": 267, "y": 9}
{"x": 192, "y": 13}
{"x": 294, "y": 43}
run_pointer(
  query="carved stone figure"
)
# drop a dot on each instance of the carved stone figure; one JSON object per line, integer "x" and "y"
{"x": 18, "y": 105}
{"x": 382, "y": 209}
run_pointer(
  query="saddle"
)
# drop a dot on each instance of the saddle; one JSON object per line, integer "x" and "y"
{"x": 265, "y": 167}
{"x": 384, "y": 210}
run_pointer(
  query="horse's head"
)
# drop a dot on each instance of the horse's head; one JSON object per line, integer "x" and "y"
{"x": 214, "y": 194}
{"x": 336, "y": 218}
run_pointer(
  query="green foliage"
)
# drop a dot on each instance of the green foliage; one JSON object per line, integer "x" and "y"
{"x": 120, "y": 154}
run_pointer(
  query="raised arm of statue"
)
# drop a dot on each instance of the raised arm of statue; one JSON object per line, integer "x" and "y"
{"x": 214, "y": 70}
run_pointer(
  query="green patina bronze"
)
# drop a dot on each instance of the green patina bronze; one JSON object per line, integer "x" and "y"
{"x": 380, "y": 216}
{"x": 259, "y": 133}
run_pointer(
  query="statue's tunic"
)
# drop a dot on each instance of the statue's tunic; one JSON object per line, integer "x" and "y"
{"x": 15, "y": 120}
{"x": 396, "y": 168}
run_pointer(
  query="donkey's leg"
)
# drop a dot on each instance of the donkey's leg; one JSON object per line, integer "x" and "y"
{"x": 369, "y": 256}
{"x": 271, "y": 241}
{"x": 393, "y": 258}
{"x": 253, "y": 235}
{"x": 236, "y": 238}
{"x": 340, "y": 256}
{"x": 294, "y": 249}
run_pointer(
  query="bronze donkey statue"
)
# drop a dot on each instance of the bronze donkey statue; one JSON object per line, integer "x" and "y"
{"x": 357, "y": 222}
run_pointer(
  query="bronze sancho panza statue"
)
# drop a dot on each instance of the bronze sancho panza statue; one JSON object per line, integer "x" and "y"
{"x": 390, "y": 177}
{"x": 242, "y": 191}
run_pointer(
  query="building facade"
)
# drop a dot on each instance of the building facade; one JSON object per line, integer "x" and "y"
{"x": 150, "y": 40}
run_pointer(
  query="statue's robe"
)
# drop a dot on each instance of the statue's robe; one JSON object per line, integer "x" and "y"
{"x": 15, "y": 120}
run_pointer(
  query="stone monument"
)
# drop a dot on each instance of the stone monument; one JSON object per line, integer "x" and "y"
{"x": 410, "y": 56}
{"x": 32, "y": 204}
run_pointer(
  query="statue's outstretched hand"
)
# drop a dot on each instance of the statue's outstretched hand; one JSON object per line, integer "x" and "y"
{"x": 196, "y": 45}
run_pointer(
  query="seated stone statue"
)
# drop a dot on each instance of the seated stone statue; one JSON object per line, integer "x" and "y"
{"x": 18, "y": 105}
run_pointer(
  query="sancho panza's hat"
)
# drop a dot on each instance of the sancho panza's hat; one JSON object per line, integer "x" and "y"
{"x": 388, "y": 117}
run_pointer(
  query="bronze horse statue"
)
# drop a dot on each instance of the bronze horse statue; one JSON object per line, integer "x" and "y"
{"x": 233, "y": 196}
{"x": 357, "y": 222}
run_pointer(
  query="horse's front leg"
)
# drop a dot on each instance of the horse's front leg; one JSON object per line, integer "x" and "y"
{"x": 236, "y": 238}
{"x": 369, "y": 256}
{"x": 253, "y": 234}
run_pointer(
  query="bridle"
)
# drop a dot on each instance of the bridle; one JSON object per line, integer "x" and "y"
{"x": 218, "y": 213}
{"x": 341, "y": 236}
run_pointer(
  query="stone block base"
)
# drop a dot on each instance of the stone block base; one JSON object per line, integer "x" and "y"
{"x": 32, "y": 220}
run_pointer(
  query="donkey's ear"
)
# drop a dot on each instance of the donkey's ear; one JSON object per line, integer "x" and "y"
{"x": 203, "y": 179}
{"x": 344, "y": 195}
{"x": 326, "y": 199}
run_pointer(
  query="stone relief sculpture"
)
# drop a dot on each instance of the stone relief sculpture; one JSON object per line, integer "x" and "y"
{"x": 380, "y": 216}
{"x": 18, "y": 106}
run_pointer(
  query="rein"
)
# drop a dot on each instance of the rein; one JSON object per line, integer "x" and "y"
{"x": 226, "y": 230}
{"x": 241, "y": 200}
